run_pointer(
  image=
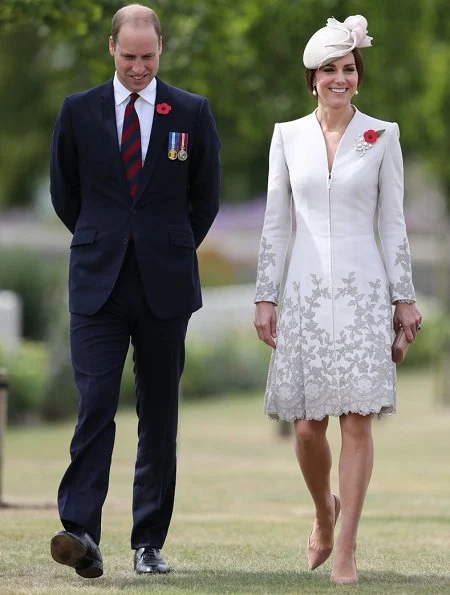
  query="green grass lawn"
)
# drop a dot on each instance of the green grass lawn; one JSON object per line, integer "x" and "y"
{"x": 242, "y": 514}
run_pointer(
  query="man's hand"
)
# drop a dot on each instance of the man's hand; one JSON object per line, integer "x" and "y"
{"x": 266, "y": 322}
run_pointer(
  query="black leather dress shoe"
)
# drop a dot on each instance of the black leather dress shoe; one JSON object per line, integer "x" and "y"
{"x": 148, "y": 560}
{"x": 77, "y": 549}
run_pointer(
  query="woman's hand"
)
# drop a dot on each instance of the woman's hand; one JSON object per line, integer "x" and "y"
{"x": 266, "y": 322}
{"x": 409, "y": 318}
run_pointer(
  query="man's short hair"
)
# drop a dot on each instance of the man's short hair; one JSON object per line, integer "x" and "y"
{"x": 141, "y": 15}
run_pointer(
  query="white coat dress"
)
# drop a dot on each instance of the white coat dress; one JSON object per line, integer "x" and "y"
{"x": 334, "y": 332}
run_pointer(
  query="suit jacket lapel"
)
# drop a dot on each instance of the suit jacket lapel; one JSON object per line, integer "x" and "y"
{"x": 158, "y": 137}
{"x": 111, "y": 145}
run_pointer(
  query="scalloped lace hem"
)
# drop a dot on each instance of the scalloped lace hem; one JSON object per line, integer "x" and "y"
{"x": 380, "y": 412}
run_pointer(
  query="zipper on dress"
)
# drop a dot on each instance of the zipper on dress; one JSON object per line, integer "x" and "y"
{"x": 332, "y": 286}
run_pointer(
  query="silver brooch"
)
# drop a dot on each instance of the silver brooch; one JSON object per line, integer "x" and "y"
{"x": 365, "y": 141}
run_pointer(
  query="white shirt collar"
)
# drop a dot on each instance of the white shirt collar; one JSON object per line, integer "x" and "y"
{"x": 122, "y": 94}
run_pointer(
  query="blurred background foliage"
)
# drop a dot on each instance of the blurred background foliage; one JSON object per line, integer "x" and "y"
{"x": 41, "y": 377}
{"x": 245, "y": 56}
{"x": 39, "y": 282}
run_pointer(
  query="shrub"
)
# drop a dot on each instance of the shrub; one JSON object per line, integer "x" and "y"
{"x": 237, "y": 361}
{"x": 37, "y": 280}
{"x": 27, "y": 375}
{"x": 42, "y": 384}
{"x": 431, "y": 339}
{"x": 61, "y": 395}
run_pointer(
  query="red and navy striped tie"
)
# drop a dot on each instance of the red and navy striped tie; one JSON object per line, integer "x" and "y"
{"x": 130, "y": 147}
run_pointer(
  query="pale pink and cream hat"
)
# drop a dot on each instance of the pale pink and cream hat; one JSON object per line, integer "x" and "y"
{"x": 335, "y": 41}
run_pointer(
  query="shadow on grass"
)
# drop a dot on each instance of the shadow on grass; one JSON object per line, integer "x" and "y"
{"x": 406, "y": 519}
{"x": 208, "y": 581}
{"x": 390, "y": 578}
{"x": 28, "y": 505}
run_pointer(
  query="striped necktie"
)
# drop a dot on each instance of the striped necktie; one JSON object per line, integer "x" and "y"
{"x": 130, "y": 146}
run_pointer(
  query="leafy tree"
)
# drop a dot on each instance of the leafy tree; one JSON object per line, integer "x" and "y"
{"x": 246, "y": 57}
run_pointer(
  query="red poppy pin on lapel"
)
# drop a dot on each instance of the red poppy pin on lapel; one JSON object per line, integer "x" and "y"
{"x": 163, "y": 108}
{"x": 365, "y": 141}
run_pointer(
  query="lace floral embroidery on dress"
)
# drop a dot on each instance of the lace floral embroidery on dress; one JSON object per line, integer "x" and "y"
{"x": 404, "y": 287}
{"x": 265, "y": 288}
{"x": 313, "y": 374}
{"x": 361, "y": 346}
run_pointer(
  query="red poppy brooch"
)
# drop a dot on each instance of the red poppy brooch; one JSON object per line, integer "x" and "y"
{"x": 163, "y": 108}
{"x": 366, "y": 141}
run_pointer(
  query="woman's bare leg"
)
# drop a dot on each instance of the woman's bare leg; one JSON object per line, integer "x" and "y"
{"x": 355, "y": 469}
{"x": 314, "y": 457}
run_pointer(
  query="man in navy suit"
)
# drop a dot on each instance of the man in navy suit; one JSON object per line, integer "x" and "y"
{"x": 135, "y": 177}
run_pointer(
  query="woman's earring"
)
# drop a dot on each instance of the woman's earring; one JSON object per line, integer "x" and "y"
{"x": 356, "y": 92}
{"x": 314, "y": 90}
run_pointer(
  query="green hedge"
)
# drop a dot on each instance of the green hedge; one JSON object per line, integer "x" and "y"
{"x": 61, "y": 396}
{"x": 435, "y": 333}
{"x": 38, "y": 281}
{"x": 235, "y": 362}
{"x": 42, "y": 386}
{"x": 27, "y": 378}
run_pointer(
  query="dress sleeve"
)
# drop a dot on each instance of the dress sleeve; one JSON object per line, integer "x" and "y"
{"x": 391, "y": 220}
{"x": 277, "y": 224}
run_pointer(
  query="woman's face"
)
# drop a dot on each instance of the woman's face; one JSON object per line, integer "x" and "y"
{"x": 336, "y": 83}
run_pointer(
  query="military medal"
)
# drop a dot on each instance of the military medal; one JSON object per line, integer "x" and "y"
{"x": 182, "y": 153}
{"x": 173, "y": 146}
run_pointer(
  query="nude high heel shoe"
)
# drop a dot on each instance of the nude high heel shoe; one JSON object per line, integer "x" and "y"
{"x": 316, "y": 557}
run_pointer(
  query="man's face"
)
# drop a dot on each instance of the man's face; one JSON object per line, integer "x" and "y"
{"x": 136, "y": 56}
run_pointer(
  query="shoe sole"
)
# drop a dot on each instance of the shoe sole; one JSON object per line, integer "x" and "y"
{"x": 155, "y": 571}
{"x": 93, "y": 568}
{"x": 68, "y": 551}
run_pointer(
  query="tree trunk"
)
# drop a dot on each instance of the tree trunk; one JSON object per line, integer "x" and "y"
{"x": 3, "y": 404}
{"x": 442, "y": 353}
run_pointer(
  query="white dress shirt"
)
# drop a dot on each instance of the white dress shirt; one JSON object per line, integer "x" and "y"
{"x": 145, "y": 107}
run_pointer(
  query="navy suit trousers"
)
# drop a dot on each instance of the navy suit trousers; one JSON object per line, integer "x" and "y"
{"x": 99, "y": 345}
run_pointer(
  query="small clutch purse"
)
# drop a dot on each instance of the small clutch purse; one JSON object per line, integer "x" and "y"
{"x": 399, "y": 346}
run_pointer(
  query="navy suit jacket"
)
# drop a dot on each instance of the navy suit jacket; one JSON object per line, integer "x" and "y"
{"x": 175, "y": 204}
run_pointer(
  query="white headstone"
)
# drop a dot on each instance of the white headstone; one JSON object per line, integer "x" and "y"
{"x": 225, "y": 309}
{"x": 10, "y": 321}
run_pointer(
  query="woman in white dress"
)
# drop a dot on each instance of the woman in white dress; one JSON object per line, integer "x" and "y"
{"x": 337, "y": 171}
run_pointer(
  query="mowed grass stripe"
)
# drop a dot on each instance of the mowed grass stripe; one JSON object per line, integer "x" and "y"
{"x": 242, "y": 514}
